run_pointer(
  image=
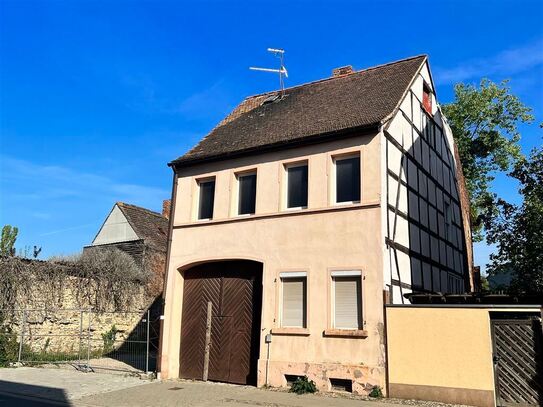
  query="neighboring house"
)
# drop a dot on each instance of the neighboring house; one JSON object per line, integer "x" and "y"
{"x": 135, "y": 230}
{"x": 298, "y": 217}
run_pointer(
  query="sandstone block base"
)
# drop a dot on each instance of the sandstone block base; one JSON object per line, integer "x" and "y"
{"x": 363, "y": 377}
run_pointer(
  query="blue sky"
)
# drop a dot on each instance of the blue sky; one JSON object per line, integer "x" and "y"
{"x": 96, "y": 97}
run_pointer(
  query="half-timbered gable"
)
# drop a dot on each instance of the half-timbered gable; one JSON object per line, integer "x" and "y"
{"x": 425, "y": 236}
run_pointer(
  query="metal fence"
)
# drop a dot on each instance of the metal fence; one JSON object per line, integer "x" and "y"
{"x": 88, "y": 340}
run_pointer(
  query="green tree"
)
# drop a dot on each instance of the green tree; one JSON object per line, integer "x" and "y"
{"x": 484, "y": 121}
{"x": 518, "y": 229}
{"x": 7, "y": 241}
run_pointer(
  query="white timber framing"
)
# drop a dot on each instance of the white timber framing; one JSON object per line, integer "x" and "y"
{"x": 424, "y": 232}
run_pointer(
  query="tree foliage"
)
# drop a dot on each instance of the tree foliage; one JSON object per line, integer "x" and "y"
{"x": 485, "y": 121}
{"x": 518, "y": 230}
{"x": 7, "y": 241}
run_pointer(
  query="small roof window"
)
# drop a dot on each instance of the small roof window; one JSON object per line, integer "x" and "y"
{"x": 427, "y": 98}
{"x": 270, "y": 99}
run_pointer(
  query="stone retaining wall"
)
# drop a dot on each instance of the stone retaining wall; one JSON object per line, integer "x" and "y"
{"x": 73, "y": 324}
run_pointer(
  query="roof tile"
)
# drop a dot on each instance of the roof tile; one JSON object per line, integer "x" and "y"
{"x": 150, "y": 226}
{"x": 359, "y": 99}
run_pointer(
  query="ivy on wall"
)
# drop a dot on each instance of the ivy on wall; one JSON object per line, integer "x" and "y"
{"x": 104, "y": 279}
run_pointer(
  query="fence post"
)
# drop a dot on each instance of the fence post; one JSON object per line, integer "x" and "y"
{"x": 80, "y": 337}
{"x": 147, "y": 350}
{"x": 21, "y": 338}
{"x": 89, "y": 340}
{"x": 208, "y": 340}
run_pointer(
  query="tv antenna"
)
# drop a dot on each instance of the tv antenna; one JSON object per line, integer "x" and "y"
{"x": 279, "y": 53}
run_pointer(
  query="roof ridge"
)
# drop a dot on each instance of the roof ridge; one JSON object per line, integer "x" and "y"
{"x": 124, "y": 204}
{"x": 339, "y": 77}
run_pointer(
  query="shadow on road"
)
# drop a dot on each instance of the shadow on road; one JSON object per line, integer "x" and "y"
{"x": 27, "y": 395}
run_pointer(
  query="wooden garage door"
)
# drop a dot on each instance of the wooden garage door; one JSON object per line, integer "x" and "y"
{"x": 234, "y": 290}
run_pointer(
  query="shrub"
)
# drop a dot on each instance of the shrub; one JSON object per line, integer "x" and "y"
{"x": 376, "y": 392}
{"x": 101, "y": 278}
{"x": 9, "y": 347}
{"x": 303, "y": 385}
{"x": 109, "y": 339}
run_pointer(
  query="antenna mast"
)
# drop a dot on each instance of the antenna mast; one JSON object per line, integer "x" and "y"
{"x": 279, "y": 53}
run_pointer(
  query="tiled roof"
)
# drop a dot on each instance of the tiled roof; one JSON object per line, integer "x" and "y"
{"x": 150, "y": 226}
{"x": 360, "y": 99}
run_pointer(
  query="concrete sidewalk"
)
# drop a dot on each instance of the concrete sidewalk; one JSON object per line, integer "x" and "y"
{"x": 61, "y": 384}
{"x": 200, "y": 394}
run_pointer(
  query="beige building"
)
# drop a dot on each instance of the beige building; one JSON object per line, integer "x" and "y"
{"x": 299, "y": 216}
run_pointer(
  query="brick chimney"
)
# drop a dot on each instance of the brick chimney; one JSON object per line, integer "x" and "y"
{"x": 342, "y": 71}
{"x": 166, "y": 208}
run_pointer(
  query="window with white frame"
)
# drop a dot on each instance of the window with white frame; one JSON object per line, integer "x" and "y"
{"x": 296, "y": 185}
{"x": 206, "y": 198}
{"x": 294, "y": 300}
{"x": 246, "y": 193}
{"x": 347, "y": 300}
{"x": 347, "y": 182}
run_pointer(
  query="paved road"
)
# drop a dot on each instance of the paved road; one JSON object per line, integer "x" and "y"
{"x": 199, "y": 394}
{"x": 24, "y": 401}
{"x": 32, "y": 387}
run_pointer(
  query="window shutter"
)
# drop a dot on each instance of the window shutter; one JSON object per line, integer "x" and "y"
{"x": 347, "y": 310}
{"x": 294, "y": 302}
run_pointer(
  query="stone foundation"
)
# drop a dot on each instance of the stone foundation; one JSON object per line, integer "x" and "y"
{"x": 363, "y": 378}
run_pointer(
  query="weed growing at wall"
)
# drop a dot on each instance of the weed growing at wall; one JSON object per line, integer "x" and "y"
{"x": 376, "y": 392}
{"x": 303, "y": 385}
{"x": 109, "y": 339}
{"x": 9, "y": 347}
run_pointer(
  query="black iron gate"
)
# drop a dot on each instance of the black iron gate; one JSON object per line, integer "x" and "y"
{"x": 518, "y": 360}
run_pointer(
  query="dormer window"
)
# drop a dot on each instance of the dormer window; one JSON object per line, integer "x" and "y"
{"x": 427, "y": 98}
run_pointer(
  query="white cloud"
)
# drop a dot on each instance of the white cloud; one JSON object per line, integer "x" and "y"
{"x": 26, "y": 181}
{"x": 505, "y": 63}
{"x": 211, "y": 102}
{"x": 54, "y": 232}
{"x": 41, "y": 215}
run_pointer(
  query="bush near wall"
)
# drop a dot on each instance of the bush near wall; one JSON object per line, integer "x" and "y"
{"x": 108, "y": 282}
